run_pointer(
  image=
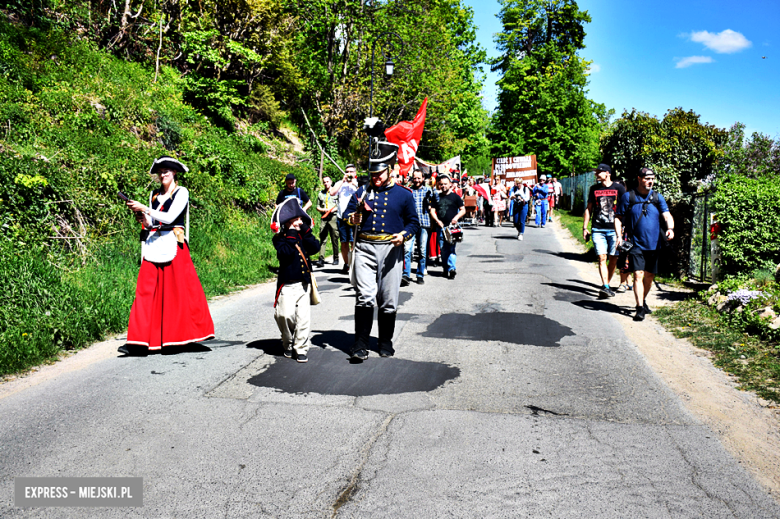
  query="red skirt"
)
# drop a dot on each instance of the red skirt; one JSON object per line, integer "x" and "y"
{"x": 170, "y": 307}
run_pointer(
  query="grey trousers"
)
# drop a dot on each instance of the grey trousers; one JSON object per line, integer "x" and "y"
{"x": 293, "y": 317}
{"x": 378, "y": 271}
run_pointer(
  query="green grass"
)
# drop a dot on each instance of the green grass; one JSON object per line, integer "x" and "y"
{"x": 82, "y": 127}
{"x": 573, "y": 223}
{"x": 756, "y": 363}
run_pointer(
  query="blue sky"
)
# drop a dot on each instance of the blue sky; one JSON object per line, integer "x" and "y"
{"x": 704, "y": 56}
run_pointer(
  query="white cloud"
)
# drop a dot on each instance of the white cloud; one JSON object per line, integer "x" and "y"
{"x": 725, "y": 42}
{"x": 693, "y": 60}
{"x": 594, "y": 67}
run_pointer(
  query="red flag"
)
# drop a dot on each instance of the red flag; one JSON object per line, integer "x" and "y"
{"x": 407, "y": 135}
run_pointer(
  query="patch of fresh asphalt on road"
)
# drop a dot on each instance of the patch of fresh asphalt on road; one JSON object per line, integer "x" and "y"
{"x": 543, "y": 408}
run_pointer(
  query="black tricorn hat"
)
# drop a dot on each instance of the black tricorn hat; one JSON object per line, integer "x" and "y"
{"x": 166, "y": 162}
{"x": 290, "y": 208}
{"x": 382, "y": 157}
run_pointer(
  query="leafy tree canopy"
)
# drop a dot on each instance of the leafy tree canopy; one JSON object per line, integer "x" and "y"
{"x": 543, "y": 108}
{"x": 681, "y": 150}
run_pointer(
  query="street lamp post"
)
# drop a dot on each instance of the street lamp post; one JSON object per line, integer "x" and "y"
{"x": 389, "y": 66}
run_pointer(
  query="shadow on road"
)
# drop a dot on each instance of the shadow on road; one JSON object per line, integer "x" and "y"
{"x": 512, "y": 328}
{"x": 271, "y": 347}
{"x": 603, "y": 306}
{"x": 586, "y": 257}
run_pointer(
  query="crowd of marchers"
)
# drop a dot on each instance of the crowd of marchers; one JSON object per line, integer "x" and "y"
{"x": 379, "y": 227}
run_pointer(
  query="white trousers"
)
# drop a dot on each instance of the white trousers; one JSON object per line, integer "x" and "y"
{"x": 293, "y": 317}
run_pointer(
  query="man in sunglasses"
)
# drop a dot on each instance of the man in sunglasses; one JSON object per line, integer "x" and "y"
{"x": 642, "y": 210}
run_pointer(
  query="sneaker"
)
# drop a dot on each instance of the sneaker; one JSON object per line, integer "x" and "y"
{"x": 420, "y": 281}
{"x": 520, "y": 237}
{"x": 335, "y": 261}
{"x": 646, "y": 308}
{"x": 612, "y": 293}
{"x": 620, "y": 289}
{"x": 301, "y": 358}
{"x": 360, "y": 355}
{"x": 385, "y": 354}
{"x": 451, "y": 274}
{"x": 405, "y": 281}
{"x": 606, "y": 293}
{"x": 288, "y": 353}
{"x": 320, "y": 263}
{"x": 640, "y": 314}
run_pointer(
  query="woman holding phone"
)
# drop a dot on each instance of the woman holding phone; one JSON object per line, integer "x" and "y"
{"x": 170, "y": 308}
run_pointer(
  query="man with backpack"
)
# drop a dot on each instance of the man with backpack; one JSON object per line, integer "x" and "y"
{"x": 642, "y": 210}
{"x": 291, "y": 190}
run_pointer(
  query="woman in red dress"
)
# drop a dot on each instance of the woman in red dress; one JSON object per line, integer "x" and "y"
{"x": 170, "y": 308}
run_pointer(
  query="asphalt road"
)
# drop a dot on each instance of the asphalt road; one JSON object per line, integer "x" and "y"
{"x": 514, "y": 393}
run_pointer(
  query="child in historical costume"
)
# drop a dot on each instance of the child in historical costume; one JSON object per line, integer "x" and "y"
{"x": 294, "y": 243}
{"x": 170, "y": 308}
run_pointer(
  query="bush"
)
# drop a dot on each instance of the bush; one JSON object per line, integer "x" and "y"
{"x": 748, "y": 210}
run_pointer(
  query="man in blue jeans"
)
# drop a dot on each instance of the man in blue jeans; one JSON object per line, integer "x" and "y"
{"x": 447, "y": 210}
{"x": 602, "y": 203}
{"x": 424, "y": 197}
{"x": 541, "y": 194}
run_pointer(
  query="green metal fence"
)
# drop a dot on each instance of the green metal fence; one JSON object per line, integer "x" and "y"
{"x": 575, "y": 191}
{"x": 699, "y": 266}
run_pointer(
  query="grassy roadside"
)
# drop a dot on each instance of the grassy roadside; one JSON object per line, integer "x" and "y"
{"x": 573, "y": 223}
{"x": 756, "y": 363}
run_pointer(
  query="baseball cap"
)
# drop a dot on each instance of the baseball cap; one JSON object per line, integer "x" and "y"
{"x": 542, "y": 177}
{"x": 604, "y": 167}
{"x": 646, "y": 172}
{"x": 289, "y": 176}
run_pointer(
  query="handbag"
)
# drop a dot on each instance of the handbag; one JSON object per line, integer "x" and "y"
{"x": 314, "y": 294}
{"x": 159, "y": 247}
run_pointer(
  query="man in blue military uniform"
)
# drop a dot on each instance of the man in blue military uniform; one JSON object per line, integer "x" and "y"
{"x": 385, "y": 217}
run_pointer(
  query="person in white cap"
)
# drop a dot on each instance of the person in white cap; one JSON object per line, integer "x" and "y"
{"x": 541, "y": 193}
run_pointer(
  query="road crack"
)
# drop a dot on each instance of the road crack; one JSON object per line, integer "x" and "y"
{"x": 352, "y": 487}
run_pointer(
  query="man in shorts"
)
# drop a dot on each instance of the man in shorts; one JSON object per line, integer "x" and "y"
{"x": 344, "y": 189}
{"x": 642, "y": 210}
{"x": 602, "y": 202}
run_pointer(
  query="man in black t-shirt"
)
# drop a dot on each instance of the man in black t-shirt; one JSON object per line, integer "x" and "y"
{"x": 290, "y": 190}
{"x": 447, "y": 210}
{"x": 602, "y": 202}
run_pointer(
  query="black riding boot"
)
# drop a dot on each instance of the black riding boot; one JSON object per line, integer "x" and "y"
{"x": 386, "y": 331}
{"x": 364, "y": 321}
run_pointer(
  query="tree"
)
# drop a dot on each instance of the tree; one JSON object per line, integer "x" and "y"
{"x": 542, "y": 103}
{"x": 682, "y": 151}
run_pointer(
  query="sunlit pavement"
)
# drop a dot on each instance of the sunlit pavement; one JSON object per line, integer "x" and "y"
{"x": 513, "y": 392}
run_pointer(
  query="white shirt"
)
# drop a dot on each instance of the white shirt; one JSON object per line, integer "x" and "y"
{"x": 345, "y": 192}
{"x": 177, "y": 206}
{"x": 558, "y": 188}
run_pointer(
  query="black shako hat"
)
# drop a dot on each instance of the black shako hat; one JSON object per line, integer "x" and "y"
{"x": 166, "y": 162}
{"x": 382, "y": 157}
{"x": 290, "y": 208}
